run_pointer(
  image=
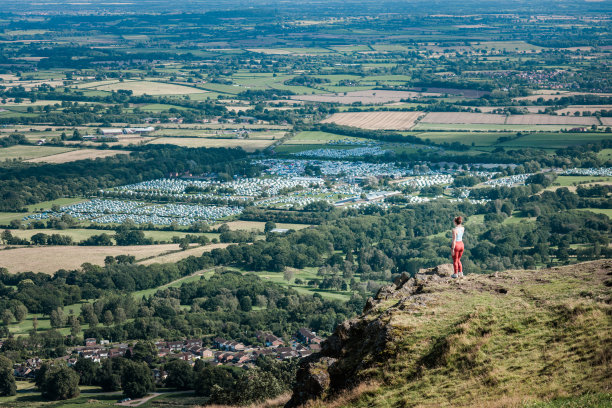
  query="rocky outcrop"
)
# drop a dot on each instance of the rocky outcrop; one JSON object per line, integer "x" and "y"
{"x": 358, "y": 343}
{"x": 480, "y": 328}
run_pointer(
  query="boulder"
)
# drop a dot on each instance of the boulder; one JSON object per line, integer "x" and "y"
{"x": 444, "y": 270}
{"x": 312, "y": 380}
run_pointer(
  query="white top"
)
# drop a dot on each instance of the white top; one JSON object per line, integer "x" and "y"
{"x": 459, "y": 234}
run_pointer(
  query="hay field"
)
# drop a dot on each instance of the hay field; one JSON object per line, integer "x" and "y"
{"x": 30, "y": 152}
{"x": 49, "y": 259}
{"x": 606, "y": 121}
{"x": 149, "y": 88}
{"x": 375, "y": 120}
{"x": 570, "y": 110}
{"x": 80, "y": 154}
{"x": 463, "y": 118}
{"x": 551, "y": 120}
{"x": 366, "y": 97}
{"x": 483, "y": 127}
{"x": 248, "y": 145}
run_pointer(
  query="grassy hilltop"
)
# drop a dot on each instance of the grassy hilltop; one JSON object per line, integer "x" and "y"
{"x": 536, "y": 338}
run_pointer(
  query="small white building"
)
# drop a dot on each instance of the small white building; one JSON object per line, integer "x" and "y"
{"x": 130, "y": 131}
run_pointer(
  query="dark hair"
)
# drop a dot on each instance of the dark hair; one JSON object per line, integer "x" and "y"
{"x": 458, "y": 220}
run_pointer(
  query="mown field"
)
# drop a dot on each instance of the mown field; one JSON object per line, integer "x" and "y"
{"x": 317, "y": 138}
{"x": 143, "y": 87}
{"x": 566, "y": 181}
{"x": 484, "y": 127}
{"x": 463, "y": 118}
{"x": 304, "y": 275}
{"x": 375, "y": 120}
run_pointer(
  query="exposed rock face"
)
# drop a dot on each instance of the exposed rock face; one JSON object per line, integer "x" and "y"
{"x": 313, "y": 378}
{"x": 358, "y": 343}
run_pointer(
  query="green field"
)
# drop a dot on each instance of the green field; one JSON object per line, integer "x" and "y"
{"x": 45, "y": 205}
{"x": 176, "y": 284}
{"x": 566, "y": 181}
{"x": 481, "y": 139}
{"x": 7, "y": 217}
{"x": 555, "y": 140}
{"x": 295, "y": 148}
{"x": 30, "y": 152}
{"x": 316, "y": 137}
{"x": 305, "y": 275}
{"x": 159, "y": 107}
{"x": 605, "y": 154}
{"x": 606, "y": 211}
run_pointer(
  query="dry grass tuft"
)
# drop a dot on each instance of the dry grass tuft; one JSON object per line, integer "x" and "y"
{"x": 279, "y": 401}
{"x": 346, "y": 397}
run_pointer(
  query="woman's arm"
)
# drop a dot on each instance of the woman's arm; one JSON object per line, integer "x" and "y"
{"x": 454, "y": 238}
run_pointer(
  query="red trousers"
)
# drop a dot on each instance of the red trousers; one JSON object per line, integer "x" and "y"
{"x": 457, "y": 257}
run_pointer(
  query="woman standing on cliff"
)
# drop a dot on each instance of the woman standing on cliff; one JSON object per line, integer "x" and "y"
{"x": 457, "y": 247}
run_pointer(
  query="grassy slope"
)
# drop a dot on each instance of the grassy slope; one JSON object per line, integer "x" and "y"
{"x": 548, "y": 338}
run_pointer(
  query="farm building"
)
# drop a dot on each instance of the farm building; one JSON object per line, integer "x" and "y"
{"x": 111, "y": 131}
{"x": 130, "y": 131}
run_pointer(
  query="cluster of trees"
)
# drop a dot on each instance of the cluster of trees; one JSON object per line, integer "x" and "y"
{"x": 13, "y": 139}
{"x": 121, "y": 237}
{"x": 306, "y": 80}
{"x": 133, "y": 374}
{"x": 303, "y": 216}
{"x": 227, "y": 304}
